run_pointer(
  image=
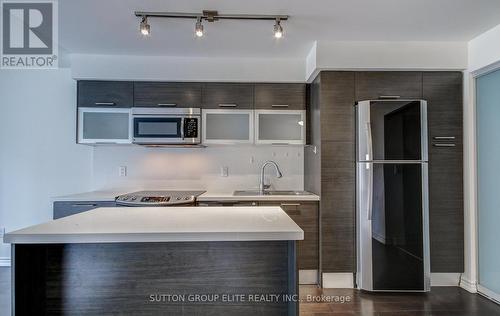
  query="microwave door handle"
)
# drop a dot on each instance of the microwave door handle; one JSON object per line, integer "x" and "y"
{"x": 182, "y": 128}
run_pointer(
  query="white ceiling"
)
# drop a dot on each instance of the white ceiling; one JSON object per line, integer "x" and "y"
{"x": 109, "y": 26}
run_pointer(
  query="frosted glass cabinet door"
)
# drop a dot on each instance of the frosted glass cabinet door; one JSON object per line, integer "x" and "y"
{"x": 103, "y": 125}
{"x": 280, "y": 127}
{"x": 227, "y": 126}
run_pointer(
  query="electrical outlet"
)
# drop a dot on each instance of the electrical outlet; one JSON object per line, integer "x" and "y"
{"x": 224, "y": 171}
{"x": 122, "y": 171}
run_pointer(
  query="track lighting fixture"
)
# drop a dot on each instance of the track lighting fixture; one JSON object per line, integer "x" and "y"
{"x": 145, "y": 28}
{"x": 209, "y": 16}
{"x": 198, "y": 30}
{"x": 278, "y": 29}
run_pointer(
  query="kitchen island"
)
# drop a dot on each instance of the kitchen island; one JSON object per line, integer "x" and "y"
{"x": 158, "y": 261}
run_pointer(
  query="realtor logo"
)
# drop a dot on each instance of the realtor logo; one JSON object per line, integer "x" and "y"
{"x": 29, "y": 34}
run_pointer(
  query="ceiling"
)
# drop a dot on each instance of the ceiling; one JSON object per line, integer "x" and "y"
{"x": 109, "y": 26}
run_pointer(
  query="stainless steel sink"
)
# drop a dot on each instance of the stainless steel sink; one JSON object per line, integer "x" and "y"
{"x": 256, "y": 192}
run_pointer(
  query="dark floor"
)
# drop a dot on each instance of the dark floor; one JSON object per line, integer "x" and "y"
{"x": 441, "y": 301}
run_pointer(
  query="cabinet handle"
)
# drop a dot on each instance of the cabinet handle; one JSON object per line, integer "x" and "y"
{"x": 279, "y": 105}
{"x": 389, "y": 97}
{"x": 228, "y": 105}
{"x": 444, "y": 145}
{"x": 290, "y": 204}
{"x": 167, "y": 104}
{"x": 444, "y": 137}
{"x": 280, "y": 144}
{"x": 105, "y": 103}
{"x": 84, "y": 204}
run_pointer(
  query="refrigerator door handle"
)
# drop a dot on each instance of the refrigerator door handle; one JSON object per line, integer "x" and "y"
{"x": 369, "y": 201}
{"x": 369, "y": 145}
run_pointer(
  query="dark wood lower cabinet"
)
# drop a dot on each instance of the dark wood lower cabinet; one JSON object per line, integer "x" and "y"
{"x": 305, "y": 214}
{"x": 67, "y": 208}
{"x": 183, "y": 278}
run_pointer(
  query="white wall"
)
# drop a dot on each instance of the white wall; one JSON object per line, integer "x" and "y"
{"x": 386, "y": 56}
{"x": 169, "y": 68}
{"x": 38, "y": 154}
{"x": 484, "y": 50}
{"x": 196, "y": 168}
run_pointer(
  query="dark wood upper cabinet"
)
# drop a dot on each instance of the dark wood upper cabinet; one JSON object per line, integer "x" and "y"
{"x": 105, "y": 93}
{"x": 280, "y": 96}
{"x": 371, "y": 85}
{"x": 167, "y": 94}
{"x": 227, "y": 95}
{"x": 443, "y": 92}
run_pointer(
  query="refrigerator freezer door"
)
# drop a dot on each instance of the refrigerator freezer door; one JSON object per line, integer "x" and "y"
{"x": 392, "y": 218}
{"x": 364, "y": 189}
{"x": 392, "y": 130}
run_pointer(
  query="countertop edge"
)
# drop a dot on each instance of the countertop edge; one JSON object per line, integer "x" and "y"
{"x": 215, "y": 198}
{"x": 100, "y": 196}
{"x": 149, "y": 237}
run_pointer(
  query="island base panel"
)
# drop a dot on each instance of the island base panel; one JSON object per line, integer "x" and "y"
{"x": 184, "y": 278}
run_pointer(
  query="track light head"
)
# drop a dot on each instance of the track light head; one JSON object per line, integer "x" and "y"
{"x": 144, "y": 27}
{"x": 198, "y": 30}
{"x": 278, "y": 30}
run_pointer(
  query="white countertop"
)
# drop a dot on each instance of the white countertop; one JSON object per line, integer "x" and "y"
{"x": 163, "y": 224}
{"x": 209, "y": 196}
{"x": 228, "y": 196}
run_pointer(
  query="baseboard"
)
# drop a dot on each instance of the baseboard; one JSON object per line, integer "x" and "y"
{"x": 495, "y": 297}
{"x": 308, "y": 276}
{"x": 445, "y": 279}
{"x": 338, "y": 280}
{"x": 4, "y": 262}
{"x": 468, "y": 285}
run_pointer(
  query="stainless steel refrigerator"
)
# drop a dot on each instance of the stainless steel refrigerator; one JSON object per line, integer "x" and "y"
{"x": 392, "y": 196}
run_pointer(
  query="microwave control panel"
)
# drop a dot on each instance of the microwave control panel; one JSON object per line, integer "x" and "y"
{"x": 191, "y": 127}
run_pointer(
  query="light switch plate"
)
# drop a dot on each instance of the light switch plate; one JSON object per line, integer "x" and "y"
{"x": 122, "y": 171}
{"x": 224, "y": 171}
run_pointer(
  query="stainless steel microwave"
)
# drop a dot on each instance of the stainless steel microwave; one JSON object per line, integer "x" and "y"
{"x": 166, "y": 126}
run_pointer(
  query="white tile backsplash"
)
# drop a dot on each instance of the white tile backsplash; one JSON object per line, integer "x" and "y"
{"x": 196, "y": 168}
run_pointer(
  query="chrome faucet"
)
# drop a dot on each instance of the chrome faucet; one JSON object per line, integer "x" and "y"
{"x": 262, "y": 185}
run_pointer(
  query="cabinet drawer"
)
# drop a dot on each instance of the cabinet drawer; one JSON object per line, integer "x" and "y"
{"x": 105, "y": 94}
{"x": 167, "y": 94}
{"x": 280, "y": 96}
{"x": 227, "y": 96}
{"x": 305, "y": 214}
{"x": 67, "y": 208}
